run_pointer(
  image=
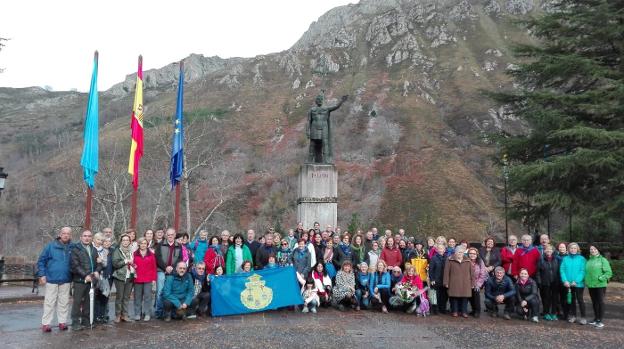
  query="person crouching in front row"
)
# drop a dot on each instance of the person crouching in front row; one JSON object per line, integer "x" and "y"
{"x": 178, "y": 292}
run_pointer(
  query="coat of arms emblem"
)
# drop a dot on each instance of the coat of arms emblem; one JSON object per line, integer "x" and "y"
{"x": 256, "y": 295}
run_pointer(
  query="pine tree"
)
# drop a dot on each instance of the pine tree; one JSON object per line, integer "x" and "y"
{"x": 571, "y": 94}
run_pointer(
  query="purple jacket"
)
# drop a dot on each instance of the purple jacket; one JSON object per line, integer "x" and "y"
{"x": 479, "y": 273}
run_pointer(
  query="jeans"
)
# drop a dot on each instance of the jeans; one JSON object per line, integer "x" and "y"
{"x": 160, "y": 284}
{"x": 597, "y": 296}
{"x": 143, "y": 299}
{"x": 459, "y": 305}
{"x": 492, "y": 306}
{"x": 362, "y": 301}
{"x": 312, "y": 305}
{"x": 200, "y": 303}
{"x": 532, "y": 307}
{"x": 384, "y": 295}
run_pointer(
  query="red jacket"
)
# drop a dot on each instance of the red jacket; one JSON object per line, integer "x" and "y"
{"x": 145, "y": 267}
{"x": 526, "y": 258}
{"x": 507, "y": 258}
{"x": 213, "y": 259}
{"x": 392, "y": 257}
{"x": 413, "y": 280}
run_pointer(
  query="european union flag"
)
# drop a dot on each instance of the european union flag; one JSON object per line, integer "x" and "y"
{"x": 90, "y": 149}
{"x": 255, "y": 291}
{"x": 177, "y": 152}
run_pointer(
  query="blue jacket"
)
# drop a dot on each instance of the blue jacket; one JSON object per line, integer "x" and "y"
{"x": 199, "y": 248}
{"x": 54, "y": 262}
{"x": 179, "y": 289}
{"x": 493, "y": 288}
{"x": 374, "y": 281}
{"x": 572, "y": 269}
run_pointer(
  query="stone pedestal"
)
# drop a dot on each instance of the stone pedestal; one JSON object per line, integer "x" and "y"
{"x": 317, "y": 196}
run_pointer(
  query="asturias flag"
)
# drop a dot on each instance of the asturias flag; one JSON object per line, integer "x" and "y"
{"x": 136, "y": 125}
{"x": 89, "y": 160}
{"x": 256, "y": 291}
{"x": 177, "y": 157}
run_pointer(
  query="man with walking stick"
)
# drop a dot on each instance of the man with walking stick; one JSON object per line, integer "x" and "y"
{"x": 85, "y": 269}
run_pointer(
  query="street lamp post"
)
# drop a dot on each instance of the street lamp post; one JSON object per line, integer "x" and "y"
{"x": 3, "y": 177}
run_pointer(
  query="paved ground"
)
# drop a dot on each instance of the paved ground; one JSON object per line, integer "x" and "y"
{"x": 19, "y": 328}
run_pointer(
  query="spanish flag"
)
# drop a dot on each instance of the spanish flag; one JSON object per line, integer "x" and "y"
{"x": 136, "y": 125}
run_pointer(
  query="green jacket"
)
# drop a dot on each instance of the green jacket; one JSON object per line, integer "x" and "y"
{"x": 230, "y": 262}
{"x": 597, "y": 272}
{"x": 119, "y": 266}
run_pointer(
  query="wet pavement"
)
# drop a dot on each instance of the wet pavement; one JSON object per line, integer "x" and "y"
{"x": 19, "y": 328}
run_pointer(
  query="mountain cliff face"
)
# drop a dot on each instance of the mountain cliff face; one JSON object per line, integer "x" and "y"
{"x": 411, "y": 143}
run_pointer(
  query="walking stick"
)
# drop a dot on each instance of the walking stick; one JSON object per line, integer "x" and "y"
{"x": 91, "y": 303}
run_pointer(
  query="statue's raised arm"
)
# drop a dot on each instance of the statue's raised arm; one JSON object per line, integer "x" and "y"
{"x": 342, "y": 100}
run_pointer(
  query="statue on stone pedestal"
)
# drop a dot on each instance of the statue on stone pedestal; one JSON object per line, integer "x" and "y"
{"x": 319, "y": 131}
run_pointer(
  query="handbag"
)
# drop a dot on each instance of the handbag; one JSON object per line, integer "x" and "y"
{"x": 331, "y": 270}
{"x": 433, "y": 296}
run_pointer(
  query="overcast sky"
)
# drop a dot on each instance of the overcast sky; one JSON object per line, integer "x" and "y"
{"x": 52, "y": 42}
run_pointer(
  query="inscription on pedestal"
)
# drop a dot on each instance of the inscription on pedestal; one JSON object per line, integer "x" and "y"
{"x": 317, "y": 195}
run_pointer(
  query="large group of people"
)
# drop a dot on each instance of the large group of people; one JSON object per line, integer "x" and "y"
{"x": 374, "y": 271}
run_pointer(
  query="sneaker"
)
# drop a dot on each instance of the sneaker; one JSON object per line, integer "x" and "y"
{"x": 304, "y": 310}
{"x": 313, "y": 310}
{"x": 62, "y": 327}
{"x": 384, "y": 309}
{"x": 137, "y": 318}
{"x": 547, "y": 317}
{"x": 46, "y": 328}
{"x": 507, "y": 316}
{"x": 572, "y": 319}
{"x": 190, "y": 317}
{"x": 593, "y": 323}
{"x": 146, "y": 318}
{"x": 583, "y": 322}
{"x": 599, "y": 324}
{"x": 535, "y": 319}
{"x": 554, "y": 317}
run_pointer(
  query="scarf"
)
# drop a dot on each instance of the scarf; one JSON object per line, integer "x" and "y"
{"x": 524, "y": 283}
{"x": 328, "y": 255}
{"x": 300, "y": 253}
{"x": 126, "y": 253}
{"x": 525, "y": 250}
{"x": 359, "y": 251}
{"x": 345, "y": 249}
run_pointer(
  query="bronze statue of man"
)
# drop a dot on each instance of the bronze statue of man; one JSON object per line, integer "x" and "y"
{"x": 319, "y": 131}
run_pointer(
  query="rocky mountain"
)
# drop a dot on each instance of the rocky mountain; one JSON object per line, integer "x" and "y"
{"x": 412, "y": 142}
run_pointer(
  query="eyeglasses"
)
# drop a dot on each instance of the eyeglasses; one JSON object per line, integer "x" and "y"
{"x": 285, "y": 244}
{"x": 200, "y": 268}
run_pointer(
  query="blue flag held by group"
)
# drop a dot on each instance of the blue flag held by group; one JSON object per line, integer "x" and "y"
{"x": 89, "y": 160}
{"x": 177, "y": 151}
{"x": 256, "y": 291}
